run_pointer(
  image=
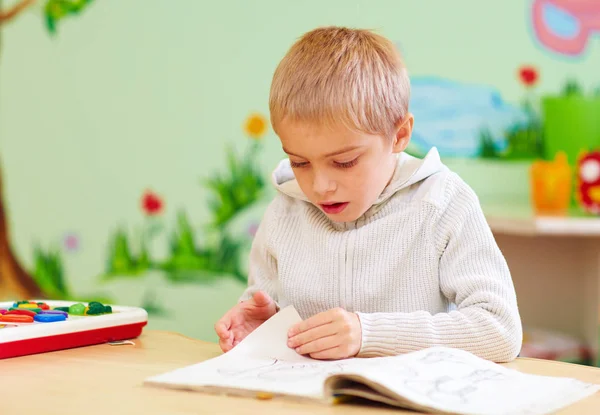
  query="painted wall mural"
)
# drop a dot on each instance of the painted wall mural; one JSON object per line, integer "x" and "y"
{"x": 565, "y": 26}
{"x": 467, "y": 120}
{"x": 48, "y": 279}
{"x": 195, "y": 257}
{"x": 179, "y": 234}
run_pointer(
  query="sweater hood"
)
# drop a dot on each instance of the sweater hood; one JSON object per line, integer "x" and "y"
{"x": 409, "y": 170}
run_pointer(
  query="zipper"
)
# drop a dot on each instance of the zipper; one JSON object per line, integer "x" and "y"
{"x": 342, "y": 269}
{"x": 348, "y": 286}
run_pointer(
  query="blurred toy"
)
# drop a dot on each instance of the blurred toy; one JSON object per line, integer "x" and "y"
{"x": 588, "y": 181}
{"x": 551, "y": 185}
{"x": 546, "y": 344}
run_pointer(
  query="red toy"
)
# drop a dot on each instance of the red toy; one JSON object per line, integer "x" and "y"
{"x": 38, "y": 326}
{"x": 588, "y": 181}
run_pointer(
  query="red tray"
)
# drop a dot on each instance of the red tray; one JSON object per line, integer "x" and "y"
{"x": 20, "y": 339}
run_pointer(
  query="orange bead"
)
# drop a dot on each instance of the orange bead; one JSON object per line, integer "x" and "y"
{"x": 16, "y": 318}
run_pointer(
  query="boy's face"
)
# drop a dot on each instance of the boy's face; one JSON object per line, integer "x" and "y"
{"x": 342, "y": 172}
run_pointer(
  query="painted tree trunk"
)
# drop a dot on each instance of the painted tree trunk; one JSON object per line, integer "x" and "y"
{"x": 15, "y": 282}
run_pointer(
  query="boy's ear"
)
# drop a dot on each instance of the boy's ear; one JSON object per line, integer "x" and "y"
{"x": 403, "y": 133}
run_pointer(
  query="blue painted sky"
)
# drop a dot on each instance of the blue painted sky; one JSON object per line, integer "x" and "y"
{"x": 451, "y": 115}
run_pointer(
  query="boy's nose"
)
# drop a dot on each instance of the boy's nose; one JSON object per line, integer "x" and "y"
{"x": 323, "y": 185}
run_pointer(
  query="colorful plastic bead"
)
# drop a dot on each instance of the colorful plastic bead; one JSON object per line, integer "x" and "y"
{"x": 33, "y": 310}
{"x": 16, "y": 318}
{"x": 107, "y": 309}
{"x": 3, "y": 311}
{"x": 95, "y": 309}
{"x": 28, "y": 306}
{"x": 49, "y": 318}
{"x": 59, "y": 312}
{"x": 43, "y": 306}
{"x": 20, "y": 302}
{"x": 21, "y": 312}
{"x": 77, "y": 309}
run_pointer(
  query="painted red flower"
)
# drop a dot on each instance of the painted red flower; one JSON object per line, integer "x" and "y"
{"x": 152, "y": 204}
{"x": 528, "y": 75}
{"x": 71, "y": 242}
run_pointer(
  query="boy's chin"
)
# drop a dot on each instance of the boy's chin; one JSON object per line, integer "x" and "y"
{"x": 348, "y": 215}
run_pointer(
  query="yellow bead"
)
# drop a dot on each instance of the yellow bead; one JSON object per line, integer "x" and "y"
{"x": 264, "y": 395}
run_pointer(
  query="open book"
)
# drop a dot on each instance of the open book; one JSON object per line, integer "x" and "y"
{"x": 439, "y": 380}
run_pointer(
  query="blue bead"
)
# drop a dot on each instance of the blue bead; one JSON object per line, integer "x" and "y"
{"x": 49, "y": 318}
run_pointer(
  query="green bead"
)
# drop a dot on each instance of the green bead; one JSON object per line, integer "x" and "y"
{"x": 77, "y": 309}
{"x": 95, "y": 310}
{"x": 107, "y": 309}
{"x": 95, "y": 303}
{"x": 65, "y": 309}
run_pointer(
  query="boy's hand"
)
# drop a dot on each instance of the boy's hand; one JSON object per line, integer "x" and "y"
{"x": 243, "y": 319}
{"x": 333, "y": 334}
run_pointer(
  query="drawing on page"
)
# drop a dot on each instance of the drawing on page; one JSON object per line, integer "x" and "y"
{"x": 282, "y": 371}
{"x": 481, "y": 375}
{"x": 441, "y": 356}
{"x": 448, "y": 390}
{"x": 248, "y": 371}
{"x": 285, "y": 372}
{"x": 405, "y": 372}
{"x": 375, "y": 364}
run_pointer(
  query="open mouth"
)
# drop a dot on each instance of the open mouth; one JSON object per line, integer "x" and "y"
{"x": 333, "y": 208}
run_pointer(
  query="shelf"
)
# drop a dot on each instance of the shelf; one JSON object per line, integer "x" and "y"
{"x": 520, "y": 220}
{"x": 546, "y": 226}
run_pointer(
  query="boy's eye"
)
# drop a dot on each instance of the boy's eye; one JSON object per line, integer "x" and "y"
{"x": 348, "y": 164}
{"x": 298, "y": 164}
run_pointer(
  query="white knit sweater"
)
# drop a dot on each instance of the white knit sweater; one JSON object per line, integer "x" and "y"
{"x": 420, "y": 267}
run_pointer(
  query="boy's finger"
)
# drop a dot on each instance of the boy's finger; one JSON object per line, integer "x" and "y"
{"x": 311, "y": 322}
{"x": 311, "y": 335}
{"x": 329, "y": 354}
{"x": 222, "y": 329}
{"x": 222, "y": 332}
{"x": 225, "y": 344}
{"x": 261, "y": 299}
{"x": 319, "y": 345}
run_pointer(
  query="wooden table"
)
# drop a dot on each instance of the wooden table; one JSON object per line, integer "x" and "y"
{"x": 108, "y": 380}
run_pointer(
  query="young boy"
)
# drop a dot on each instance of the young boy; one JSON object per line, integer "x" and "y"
{"x": 381, "y": 253}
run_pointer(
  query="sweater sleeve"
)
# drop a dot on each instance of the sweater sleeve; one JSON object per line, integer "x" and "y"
{"x": 473, "y": 275}
{"x": 262, "y": 267}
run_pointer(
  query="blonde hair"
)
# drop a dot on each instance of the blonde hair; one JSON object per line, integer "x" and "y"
{"x": 334, "y": 75}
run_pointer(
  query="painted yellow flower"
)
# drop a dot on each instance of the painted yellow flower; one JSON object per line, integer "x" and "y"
{"x": 255, "y": 126}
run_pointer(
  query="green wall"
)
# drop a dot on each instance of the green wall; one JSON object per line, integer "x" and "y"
{"x": 144, "y": 94}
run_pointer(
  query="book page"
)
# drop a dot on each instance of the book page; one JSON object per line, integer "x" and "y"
{"x": 261, "y": 362}
{"x": 436, "y": 379}
{"x": 269, "y": 340}
{"x": 455, "y": 381}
